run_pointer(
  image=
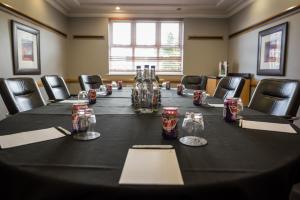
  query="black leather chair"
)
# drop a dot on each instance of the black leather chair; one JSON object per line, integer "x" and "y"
{"x": 280, "y": 97}
{"x": 20, "y": 94}
{"x": 55, "y": 87}
{"x": 295, "y": 192}
{"x": 88, "y": 82}
{"x": 194, "y": 82}
{"x": 229, "y": 86}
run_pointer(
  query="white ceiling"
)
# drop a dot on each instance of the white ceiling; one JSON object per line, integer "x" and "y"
{"x": 150, "y": 8}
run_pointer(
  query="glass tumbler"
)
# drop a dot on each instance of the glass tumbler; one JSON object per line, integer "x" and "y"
{"x": 192, "y": 126}
{"x": 90, "y": 133}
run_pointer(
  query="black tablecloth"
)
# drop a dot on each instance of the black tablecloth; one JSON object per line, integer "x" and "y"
{"x": 236, "y": 164}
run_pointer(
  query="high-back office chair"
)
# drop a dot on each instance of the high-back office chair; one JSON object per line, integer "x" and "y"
{"x": 280, "y": 97}
{"x": 55, "y": 87}
{"x": 20, "y": 94}
{"x": 194, "y": 82}
{"x": 295, "y": 192}
{"x": 88, "y": 82}
{"x": 229, "y": 87}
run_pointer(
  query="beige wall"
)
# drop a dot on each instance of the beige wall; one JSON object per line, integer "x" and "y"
{"x": 243, "y": 48}
{"x": 53, "y": 47}
{"x": 87, "y": 56}
{"x": 203, "y": 56}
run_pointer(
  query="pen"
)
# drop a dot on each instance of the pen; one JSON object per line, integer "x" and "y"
{"x": 152, "y": 146}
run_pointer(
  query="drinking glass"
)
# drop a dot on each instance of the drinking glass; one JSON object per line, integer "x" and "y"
{"x": 90, "y": 122}
{"x": 240, "y": 108}
{"x": 193, "y": 125}
{"x": 82, "y": 96}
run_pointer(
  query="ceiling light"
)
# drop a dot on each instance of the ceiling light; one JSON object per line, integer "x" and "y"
{"x": 118, "y": 8}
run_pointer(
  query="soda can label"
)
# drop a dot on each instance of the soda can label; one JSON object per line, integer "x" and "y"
{"x": 169, "y": 120}
{"x": 92, "y": 96}
{"x": 78, "y": 106}
{"x": 180, "y": 89}
{"x": 230, "y": 109}
{"x": 120, "y": 85}
{"x": 108, "y": 89}
{"x": 76, "y": 109}
{"x": 198, "y": 97}
{"x": 168, "y": 85}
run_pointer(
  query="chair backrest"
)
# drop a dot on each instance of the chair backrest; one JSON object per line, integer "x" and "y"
{"x": 280, "y": 97}
{"x": 229, "y": 87}
{"x": 194, "y": 82}
{"x": 20, "y": 94}
{"x": 88, "y": 82}
{"x": 55, "y": 87}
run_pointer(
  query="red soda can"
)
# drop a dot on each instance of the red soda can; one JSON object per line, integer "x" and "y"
{"x": 180, "y": 89}
{"x": 120, "y": 85}
{"x": 230, "y": 110}
{"x": 168, "y": 85}
{"x": 76, "y": 109}
{"x": 197, "y": 97}
{"x": 92, "y": 96}
{"x": 169, "y": 118}
{"x": 108, "y": 89}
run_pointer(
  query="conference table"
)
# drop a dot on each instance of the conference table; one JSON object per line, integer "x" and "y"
{"x": 237, "y": 163}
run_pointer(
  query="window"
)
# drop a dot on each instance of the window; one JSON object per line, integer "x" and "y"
{"x": 145, "y": 42}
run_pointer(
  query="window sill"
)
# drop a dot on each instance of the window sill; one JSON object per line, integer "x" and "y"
{"x": 133, "y": 73}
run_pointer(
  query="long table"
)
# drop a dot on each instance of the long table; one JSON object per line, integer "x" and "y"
{"x": 236, "y": 164}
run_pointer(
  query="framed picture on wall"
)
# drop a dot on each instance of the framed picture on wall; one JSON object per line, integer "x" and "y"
{"x": 271, "y": 50}
{"x": 26, "y": 49}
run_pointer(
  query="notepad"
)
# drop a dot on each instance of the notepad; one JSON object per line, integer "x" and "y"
{"x": 216, "y": 105}
{"x": 23, "y": 138}
{"x": 73, "y": 101}
{"x": 267, "y": 126}
{"x": 151, "y": 167}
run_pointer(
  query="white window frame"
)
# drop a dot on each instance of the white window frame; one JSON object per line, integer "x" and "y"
{"x": 157, "y": 44}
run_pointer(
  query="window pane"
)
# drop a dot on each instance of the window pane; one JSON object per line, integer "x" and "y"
{"x": 169, "y": 52}
{"x": 145, "y": 52}
{"x": 145, "y": 56}
{"x": 121, "y": 33}
{"x": 145, "y": 33}
{"x": 121, "y": 60}
{"x": 121, "y": 52}
{"x": 121, "y": 66}
{"x": 170, "y": 33}
{"x": 170, "y": 66}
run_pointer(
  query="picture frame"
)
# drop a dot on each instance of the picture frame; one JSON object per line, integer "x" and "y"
{"x": 26, "y": 49}
{"x": 223, "y": 68}
{"x": 272, "y": 50}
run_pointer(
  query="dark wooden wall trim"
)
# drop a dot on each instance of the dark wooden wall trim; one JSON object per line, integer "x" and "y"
{"x": 205, "y": 37}
{"x": 8, "y": 9}
{"x": 95, "y": 37}
{"x": 292, "y": 10}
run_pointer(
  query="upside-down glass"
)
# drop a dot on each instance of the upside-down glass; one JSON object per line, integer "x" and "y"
{"x": 90, "y": 133}
{"x": 192, "y": 126}
{"x": 240, "y": 108}
{"x": 82, "y": 95}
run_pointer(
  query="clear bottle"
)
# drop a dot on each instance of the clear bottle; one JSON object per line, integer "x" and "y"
{"x": 137, "y": 90}
{"x": 146, "y": 91}
{"x": 155, "y": 89}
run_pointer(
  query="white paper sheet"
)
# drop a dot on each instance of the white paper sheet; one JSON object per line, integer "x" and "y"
{"x": 267, "y": 126}
{"x": 18, "y": 139}
{"x": 73, "y": 101}
{"x": 216, "y": 105}
{"x": 151, "y": 167}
